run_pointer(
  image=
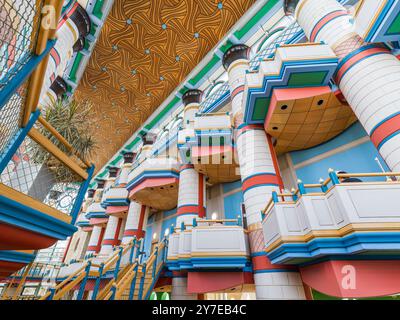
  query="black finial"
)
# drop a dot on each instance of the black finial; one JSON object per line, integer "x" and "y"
{"x": 149, "y": 138}
{"x": 100, "y": 183}
{"x": 59, "y": 86}
{"x": 192, "y": 96}
{"x": 236, "y": 52}
{"x": 290, "y": 6}
{"x": 112, "y": 172}
{"x": 129, "y": 157}
{"x": 82, "y": 20}
{"x": 91, "y": 193}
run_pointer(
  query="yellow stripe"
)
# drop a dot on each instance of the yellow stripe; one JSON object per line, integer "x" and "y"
{"x": 346, "y": 230}
{"x": 70, "y": 27}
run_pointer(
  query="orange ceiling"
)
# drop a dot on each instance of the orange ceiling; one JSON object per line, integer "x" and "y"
{"x": 145, "y": 50}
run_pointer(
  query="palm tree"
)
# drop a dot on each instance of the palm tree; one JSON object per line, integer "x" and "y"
{"x": 72, "y": 120}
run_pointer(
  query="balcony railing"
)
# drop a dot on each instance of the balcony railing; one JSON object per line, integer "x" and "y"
{"x": 340, "y": 216}
{"x": 20, "y": 24}
{"x": 42, "y": 171}
{"x": 208, "y": 244}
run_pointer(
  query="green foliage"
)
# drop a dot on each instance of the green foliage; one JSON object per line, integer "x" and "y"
{"x": 72, "y": 120}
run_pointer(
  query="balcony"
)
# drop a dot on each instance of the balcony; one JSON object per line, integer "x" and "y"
{"x": 42, "y": 187}
{"x": 214, "y": 153}
{"x": 346, "y": 219}
{"x": 12, "y": 261}
{"x": 116, "y": 200}
{"x": 210, "y": 244}
{"x": 290, "y": 93}
{"x": 155, "y": 176}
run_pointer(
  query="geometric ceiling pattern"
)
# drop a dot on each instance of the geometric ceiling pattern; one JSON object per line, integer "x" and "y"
{"x": 144, "y": 51}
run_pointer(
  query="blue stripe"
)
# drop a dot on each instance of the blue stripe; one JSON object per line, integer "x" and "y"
{"x": 326, "y": 22}
{"x": 387, "y": 139}
{"x": 19, "y": 215}
{"x": 16, "y": 256}
{"x": 383, "y": 121}
{"x": 357, "y": 242}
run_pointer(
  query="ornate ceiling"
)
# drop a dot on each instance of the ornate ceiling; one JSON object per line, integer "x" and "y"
{"x": 145, "y": 50}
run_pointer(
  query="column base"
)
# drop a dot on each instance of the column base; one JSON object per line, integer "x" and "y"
{"x": 179, "y": 290}
{"x": 279, "y": 286}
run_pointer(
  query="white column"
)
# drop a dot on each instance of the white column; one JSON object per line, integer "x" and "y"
{"x": 95, "y": 240}
{"x": 135, "y": 222}
{"x": 368, "y": 74}
{"x": 191, "y": 192}
{"x": 258, "y": 171}
{"x": 60, "y": 54}
{"x": 110, "y": 237}
{"x": 179, "y": 290}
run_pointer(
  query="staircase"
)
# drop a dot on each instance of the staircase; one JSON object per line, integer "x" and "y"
{"x": 137, "y": 280}
{"x": 131, "y": 278}
{"x": 94, "y": 267}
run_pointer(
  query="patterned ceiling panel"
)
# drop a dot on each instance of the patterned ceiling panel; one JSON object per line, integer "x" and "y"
{"x": 145, "y": 50}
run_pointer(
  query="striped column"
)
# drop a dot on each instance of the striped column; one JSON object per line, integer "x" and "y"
{"x": 73, "y": 27}
{"x": 191, "y": 195}
{"x": 135, "y": 222}
{"x": 236, "y": 63}
{"x": 126, "y": 168}
{"x": 191, "y": 192}
{"x": 111, "y": 235}
{"x": 95, "y": 240}
{"x": 179, "y": 287}
{"x": 368, "y": 74}
{"x": 112, "y": 175}
{"x": 258, "y": 170}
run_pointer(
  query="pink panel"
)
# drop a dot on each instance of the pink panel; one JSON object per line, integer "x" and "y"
{"x": 210, "y": 150}
{"x": 202, "y": 282}
{"x": 153, "y": 182}
{"x": 111, "y": 210}
{"x": 354, "y": 279}
{"x": 292, "y": 94}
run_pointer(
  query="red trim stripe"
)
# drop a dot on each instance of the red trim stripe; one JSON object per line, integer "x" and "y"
{"x": 357, "y": 58}
{"x": 141, "y": 219}
{"x": 385, "y": 129}
{"x": 259, "y": 180}
{"x": 116, "y": 236}
{"x": 324, "y": 21}
{"x": 56, "y": 57}
{"x": 67, "y": 15}
{"x": 238, "y": 90}
{"x": 131, "y": 233}
{"x": 188, "y": 209}
{"x": 248, "y": 127}
{"x": 262, "y": 263}
{"x": 275, "y": 161}
{"x": 93, "y": 248}
{"x": 202, "y": 211}
{"x": 110, "y": 242}
{"x": 100, "y": 239}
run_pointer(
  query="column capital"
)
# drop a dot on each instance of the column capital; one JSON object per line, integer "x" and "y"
{"x": 192, "y": 96}
{"x": 236, "y": 52}
{"x": 112, "y": 172}
{"x": 91, "y": 193}
{"x": 59, "y": 86}
{"x": 100, "y": 183}
{"x": 148, "y": 138}
{"x": 290, "y": 7}
{"x": 81, "y": 19}
{"x": 129, "y": 157}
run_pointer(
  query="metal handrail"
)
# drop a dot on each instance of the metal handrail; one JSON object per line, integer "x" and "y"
{"x": 333, "y": 178}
